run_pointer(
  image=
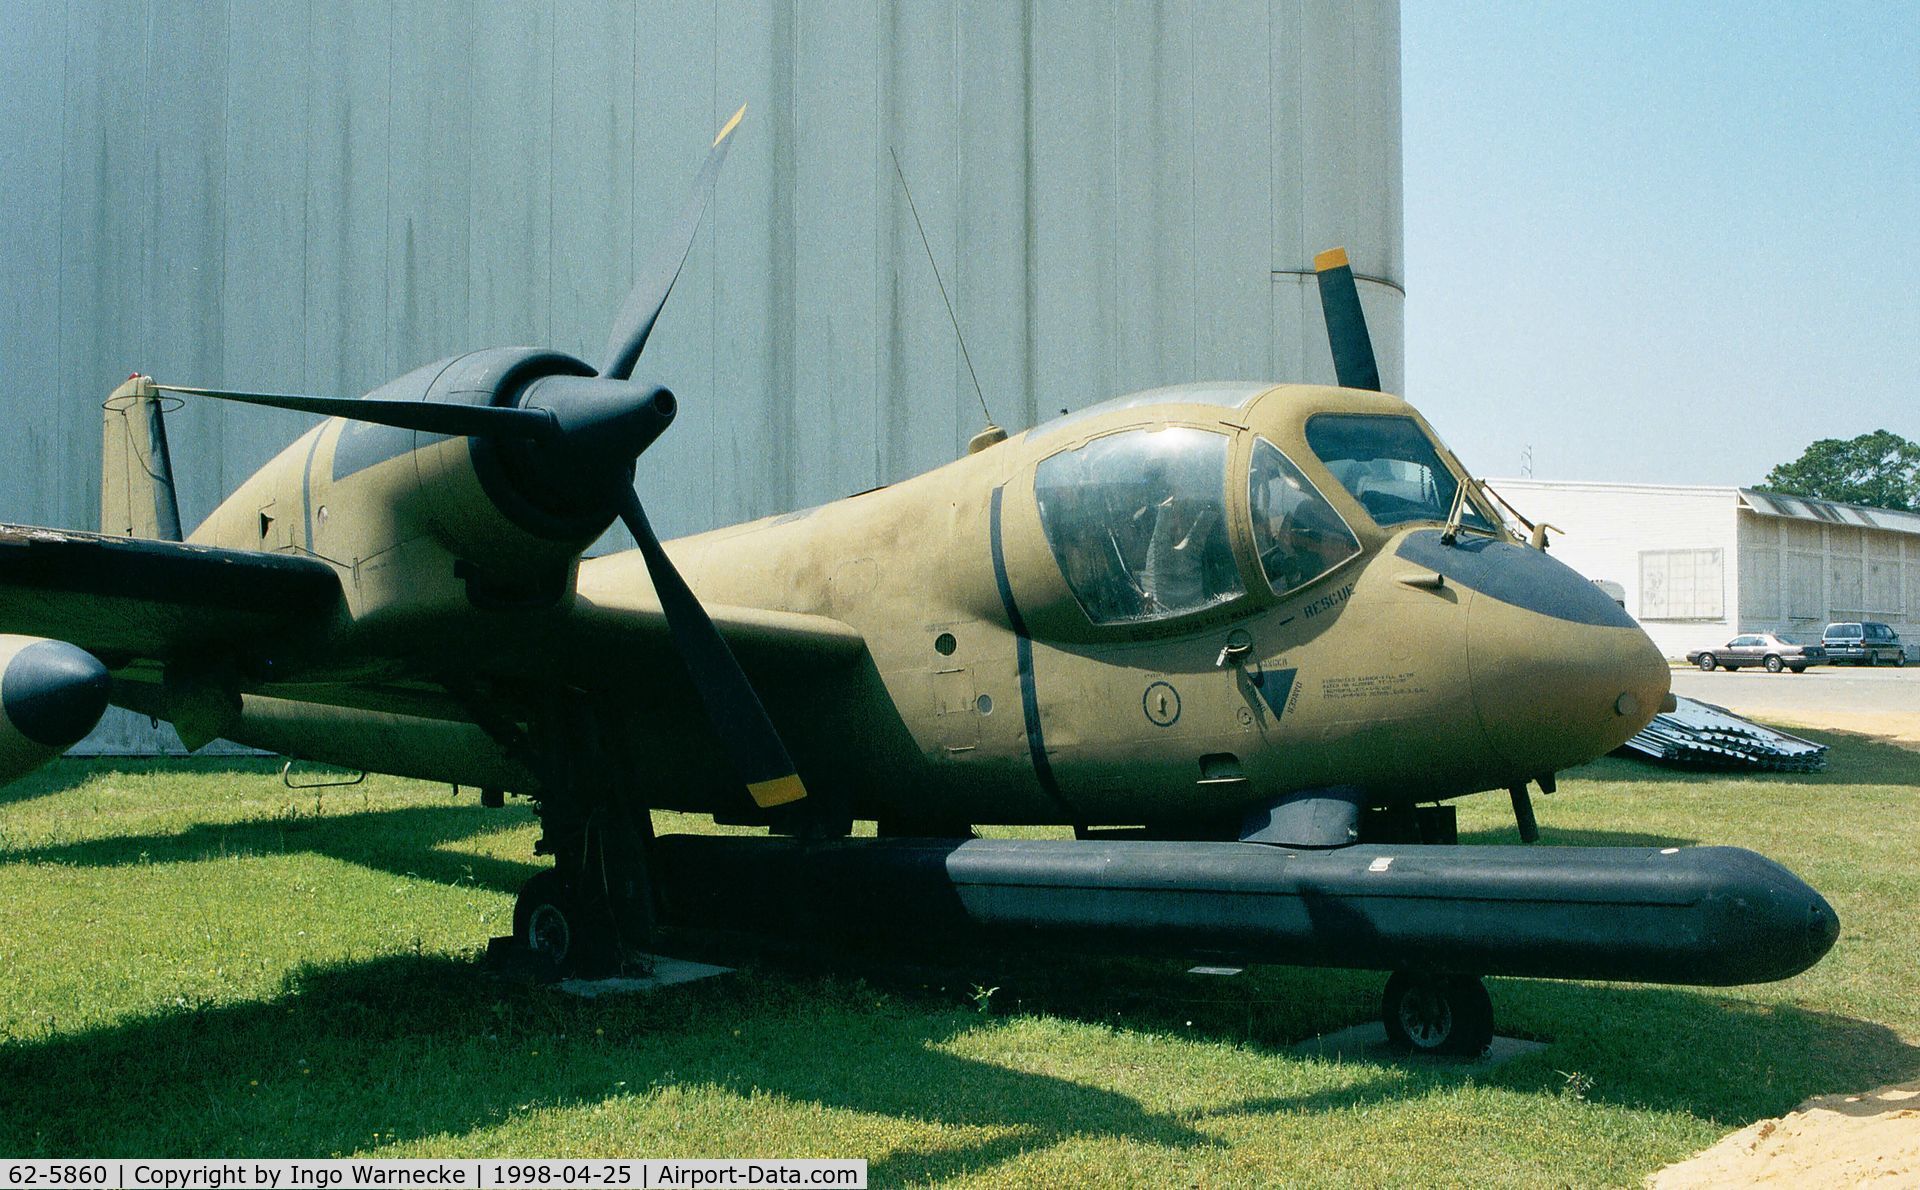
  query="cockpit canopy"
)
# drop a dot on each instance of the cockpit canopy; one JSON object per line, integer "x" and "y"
{"x": 1139, "y": 523}
{"x": 1390, "y": 466}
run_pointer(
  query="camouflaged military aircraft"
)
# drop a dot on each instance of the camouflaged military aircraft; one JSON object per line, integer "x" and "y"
{"x": 1245, "y": 639}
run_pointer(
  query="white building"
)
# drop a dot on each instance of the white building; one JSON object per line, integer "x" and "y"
{"x": 1701, "y": 564}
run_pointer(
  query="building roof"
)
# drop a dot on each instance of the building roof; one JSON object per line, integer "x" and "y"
{"x": 1798, "y": 508}
{"x": 1803, "y": 508}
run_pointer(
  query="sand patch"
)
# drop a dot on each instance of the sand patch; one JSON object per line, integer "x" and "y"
{"x": 1833, "y": 1140}
{"x": 1901, "y": 728}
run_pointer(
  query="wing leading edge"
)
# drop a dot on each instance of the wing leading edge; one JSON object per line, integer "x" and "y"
{"x": 123, "y": 598}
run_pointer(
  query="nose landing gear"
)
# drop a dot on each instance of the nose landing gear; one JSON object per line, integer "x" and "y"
{"x": 1437, "y": 1014}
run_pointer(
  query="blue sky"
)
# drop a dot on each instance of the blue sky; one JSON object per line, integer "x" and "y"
{"x": 1661, "y": 242}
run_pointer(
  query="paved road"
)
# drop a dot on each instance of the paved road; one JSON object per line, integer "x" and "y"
{"x": 1880, "y": 702}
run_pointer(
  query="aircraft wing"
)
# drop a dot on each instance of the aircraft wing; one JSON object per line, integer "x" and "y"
{"x": 631, "y": 625}
{"x": 124, "y": 598}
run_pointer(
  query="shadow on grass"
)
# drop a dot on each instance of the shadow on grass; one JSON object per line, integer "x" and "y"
{"x": 1697, "y": 1050}
{"x": 411, "y": 1049}
{"x": 407, "y": 1049}
{"x": 402, "y": 841}
{"x": 1708, "y": 1053}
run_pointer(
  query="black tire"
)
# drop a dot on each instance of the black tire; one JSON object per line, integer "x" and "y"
{"x": 1799, "y": 669}
{"x": 1437, "y": 1014}
{"x": 1900, "y": 659}
{"x": 1871, "y": 660}
{"x": 550, "y": 922}
{"x": 1774, "y": 664}
{"x": 1706, "y": 662}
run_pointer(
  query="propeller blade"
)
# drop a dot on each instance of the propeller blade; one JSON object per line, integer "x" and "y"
{"x": 467, "y": 421}
{"x": 733, "y": 708}
{"x": 1353, "y": 361}
{"x": 649, "y": 293}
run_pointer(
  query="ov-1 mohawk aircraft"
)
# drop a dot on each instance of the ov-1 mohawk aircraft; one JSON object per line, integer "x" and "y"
{"x": 1245, "y": 639}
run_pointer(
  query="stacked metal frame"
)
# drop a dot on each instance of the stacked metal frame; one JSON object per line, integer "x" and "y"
{"x": 1700, "y": 735}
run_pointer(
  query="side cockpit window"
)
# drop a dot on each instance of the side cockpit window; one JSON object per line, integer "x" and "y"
{"x": 1138, "y": 523}
{"x": 1297, "y": 533}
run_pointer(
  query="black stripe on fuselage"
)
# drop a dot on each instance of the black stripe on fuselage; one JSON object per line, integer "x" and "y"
{"x": 1515, "y": 574}
{"x": 1023, "y": 653}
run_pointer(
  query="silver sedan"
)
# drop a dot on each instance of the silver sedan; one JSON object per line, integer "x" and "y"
{"x": 1768, "y": 649}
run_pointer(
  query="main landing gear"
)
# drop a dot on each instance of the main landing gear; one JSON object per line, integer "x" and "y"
{"x": 553, "y": 925}
{"x": 592, "y": 913}
{"x": 1437, "y": 1014}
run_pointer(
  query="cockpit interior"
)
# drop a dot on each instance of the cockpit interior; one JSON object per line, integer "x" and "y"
{"x": 1140, "y": 519}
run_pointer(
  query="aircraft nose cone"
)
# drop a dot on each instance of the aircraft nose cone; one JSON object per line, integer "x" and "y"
{"x": 52, "y": 692}
{"x": 1560, "y": 674}
{"x": 1823, "y": 929}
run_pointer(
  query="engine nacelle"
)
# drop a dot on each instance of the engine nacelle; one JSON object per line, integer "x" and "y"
{"x": 511, "y": 506}
{"x": 471, "y": 492}
{"x": 423, "y": 520}
{"x": 51, "y": 695}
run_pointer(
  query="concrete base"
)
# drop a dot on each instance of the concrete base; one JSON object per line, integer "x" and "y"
{"x": 1368, "y": 1043}
{"x": 666, "y": 972}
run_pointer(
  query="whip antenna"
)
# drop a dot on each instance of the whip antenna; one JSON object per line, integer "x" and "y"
{"x": 921, "y": 228}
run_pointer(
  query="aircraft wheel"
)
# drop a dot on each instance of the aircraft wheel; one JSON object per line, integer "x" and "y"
{"x": 1774, "y": 664}
{"x": 1437, "y": 1014}
{"x": 549, "y": 920}
{"x": 1706, "y": 662}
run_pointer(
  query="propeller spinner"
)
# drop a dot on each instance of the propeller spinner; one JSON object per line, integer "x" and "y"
{"x": 583, "y": 434}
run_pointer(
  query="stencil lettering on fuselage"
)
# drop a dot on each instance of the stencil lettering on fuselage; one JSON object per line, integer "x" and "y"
{"x": 1328, "y": 602}
{"x": 1371, "y": 686}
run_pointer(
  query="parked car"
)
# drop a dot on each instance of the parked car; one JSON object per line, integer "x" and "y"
{"x": 1865, "y": 643}
{"x": 1770, "y": 649}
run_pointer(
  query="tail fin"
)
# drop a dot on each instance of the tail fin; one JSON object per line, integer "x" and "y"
{"x": 136, "y": 473}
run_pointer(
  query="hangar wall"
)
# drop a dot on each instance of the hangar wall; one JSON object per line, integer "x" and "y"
{"x": 315, "y": 195}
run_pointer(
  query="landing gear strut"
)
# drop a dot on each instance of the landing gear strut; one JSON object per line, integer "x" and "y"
{"x": 1437, "y": 1014}
{"x": 593, "y": 910}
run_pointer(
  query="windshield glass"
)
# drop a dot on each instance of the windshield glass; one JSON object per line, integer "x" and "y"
{"x": 1391, "y": 468}
{"x": 1298, "y": 534}
{"x": 1137, "y": 522}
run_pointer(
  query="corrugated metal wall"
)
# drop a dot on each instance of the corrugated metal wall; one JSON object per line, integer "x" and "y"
{"x": 314, "y": 195}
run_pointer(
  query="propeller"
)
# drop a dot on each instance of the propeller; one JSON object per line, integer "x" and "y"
{"x": 466, "y": 421}
{"x": 759, "y": 758}
{"x": 580, "y": 435}
{"x": 642, "y": 307}
{"x": 1353, "y": 362}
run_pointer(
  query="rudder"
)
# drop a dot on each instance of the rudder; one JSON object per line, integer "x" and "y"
{"x": 137, "y": 497}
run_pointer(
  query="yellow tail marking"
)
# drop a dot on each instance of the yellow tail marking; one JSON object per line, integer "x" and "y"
{"x": 730, "y": 124}
{"x": 1332, "y": 258}
{"x": 779, "y": 791}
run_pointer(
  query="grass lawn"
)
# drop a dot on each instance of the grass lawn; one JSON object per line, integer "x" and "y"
{"x": 195, "y": 960}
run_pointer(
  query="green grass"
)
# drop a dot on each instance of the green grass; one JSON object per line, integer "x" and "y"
{"x": 197, "y": 961}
